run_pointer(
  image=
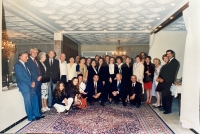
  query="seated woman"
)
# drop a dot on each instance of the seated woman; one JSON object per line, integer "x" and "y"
{"x": 72, "y": 91}
{"x": 82, "y": 91}
{"x": 61, "y": 103}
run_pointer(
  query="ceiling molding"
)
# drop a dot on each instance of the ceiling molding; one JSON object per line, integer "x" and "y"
{"x": 14, "y": 7}
{"x": 170, "y": 13}
{"x": 85, "y": 32}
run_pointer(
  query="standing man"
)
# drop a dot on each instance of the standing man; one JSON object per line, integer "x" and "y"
{"x": 119, "y": 90}
{"x": 27, "y": 87}
{"x": 167, "y": 79}
{"x": 77, "y": 59}
{"x": 35, "y": 71}
{"x": 135, "y": 91}
{"x": 53, "y": 70}
{"x": 63, "y": 68}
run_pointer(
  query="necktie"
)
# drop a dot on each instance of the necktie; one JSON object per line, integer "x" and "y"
{"x": 51, "y": 63}
{"x": 37, "y": 66}
{"x": 95, "y": 87}
{"x": 118, "y": 87}
{"x": 27, "y": 69}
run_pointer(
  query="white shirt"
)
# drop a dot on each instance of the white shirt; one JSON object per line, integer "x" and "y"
{"x": 25, "y": 66}
{"x": 133, "y": 84}
{"x": 171, "y": 59}
{"x": 71, "y": 71}
{"x": 50, "y": 61}
{"x": 138, "y": 70}
{"x": 111, "y": 68}
{"x": 63, "y": 68}
{"x": 120, "y": 67}
{"x": 82, "y": 87}
{"x": 33, "y": 60}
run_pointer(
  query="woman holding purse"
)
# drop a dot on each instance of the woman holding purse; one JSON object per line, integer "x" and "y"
{"x": 148, "y": 78}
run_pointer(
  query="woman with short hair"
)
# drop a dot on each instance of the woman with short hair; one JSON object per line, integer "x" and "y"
{"x": 157, "y": 63}
{"x": 45, "y": 80}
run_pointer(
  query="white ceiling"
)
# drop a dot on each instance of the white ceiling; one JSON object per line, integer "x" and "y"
{"x": 177, "y": 25}
{"x": 87, "y": 21}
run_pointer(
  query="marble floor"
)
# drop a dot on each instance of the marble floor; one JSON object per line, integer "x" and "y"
{"x": 172, "y": 120}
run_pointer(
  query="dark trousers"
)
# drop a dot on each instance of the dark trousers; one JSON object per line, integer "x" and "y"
{"x": 92, "y": 99}
{"x": 64, "y": 79}
{"x": 136, "y": 101}
{"x": 120, "y": 95}
{"x": 166, "y": 99}
{"x": 39, "y": 94}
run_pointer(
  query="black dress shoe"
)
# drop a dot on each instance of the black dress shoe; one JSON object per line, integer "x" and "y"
{"x": 137, "y": 106}
{"x": 166, "y": 112}
{"x": 102, "y": 104}
{"x": 161, "y": 109}
{"x": 124, "y": 104}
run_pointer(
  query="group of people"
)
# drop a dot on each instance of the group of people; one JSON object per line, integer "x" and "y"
{"x": 46, "y": 82}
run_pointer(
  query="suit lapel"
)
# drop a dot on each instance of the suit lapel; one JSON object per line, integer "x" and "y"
{"x": 23, "y": 67}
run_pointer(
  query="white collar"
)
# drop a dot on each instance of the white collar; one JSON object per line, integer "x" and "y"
{"x": 22, "y": 62}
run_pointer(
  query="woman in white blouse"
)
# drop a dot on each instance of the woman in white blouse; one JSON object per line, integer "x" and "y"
{"x": 138, "y": 70}
{"x": 113, "y": 70}
{"x": 71, "y": 69}
{"x": 157, "y": 63}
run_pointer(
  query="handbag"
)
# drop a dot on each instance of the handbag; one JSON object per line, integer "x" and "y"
{"x": 147, "y": 79}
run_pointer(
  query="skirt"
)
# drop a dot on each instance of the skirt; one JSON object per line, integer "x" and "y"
{"x": 148, "y": 85}
{"x": 44, "y": 90}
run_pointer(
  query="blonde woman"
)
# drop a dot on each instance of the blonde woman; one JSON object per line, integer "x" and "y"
{"x": 158, "y": 66}
{"x": 45, "y": 81}
{"x": 81, "y": 68}
{"x": 138, "y": 70}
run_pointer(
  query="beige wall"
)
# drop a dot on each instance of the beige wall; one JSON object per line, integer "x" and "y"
{"x": 132, "y": 50}
{"x": 165, "y": 40}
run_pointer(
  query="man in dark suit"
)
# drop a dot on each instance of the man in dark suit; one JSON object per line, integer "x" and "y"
{"x": 119, "y": 90}
{"x": 168, "y": 77}
{"x": 27, "y": 87}
{"x": 34, "y": 68}
{"x": 53, "y": 69}
{"x": 135, "y": 91}
{"x": 94, "y": 90}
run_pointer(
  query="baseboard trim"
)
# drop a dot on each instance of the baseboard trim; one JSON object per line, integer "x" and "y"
{"x": 14, "y": 124}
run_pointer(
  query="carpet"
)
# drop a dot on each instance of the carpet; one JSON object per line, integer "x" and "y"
{"x": 111, "y": 119}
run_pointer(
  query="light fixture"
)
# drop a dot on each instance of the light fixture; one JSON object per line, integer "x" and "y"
{"x": 173, "y": 4}
{"x": 119, "y": 51}
{"x": 171, "y": 17}
{"x": 158, "y": 18}
{"x": 104, "y": 30}
{"x": 7, "y": 46}
{"x": 160, "y": 26}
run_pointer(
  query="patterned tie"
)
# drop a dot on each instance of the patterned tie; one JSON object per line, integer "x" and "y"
{"x": 27, "y": 69}
{"x": 37, "y": 66}
{"x": 95, "y": 87}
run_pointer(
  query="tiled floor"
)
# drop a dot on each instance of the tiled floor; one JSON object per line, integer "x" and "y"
{"x": 172, "y": 120}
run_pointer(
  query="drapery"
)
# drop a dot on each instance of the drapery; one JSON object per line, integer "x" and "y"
{"x": 191, "y": 68}
{"x": 152, "y": 37}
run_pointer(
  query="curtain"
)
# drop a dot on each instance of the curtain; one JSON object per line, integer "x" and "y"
{"x": 191, "y": 68}
{"x": 152, "y": 37}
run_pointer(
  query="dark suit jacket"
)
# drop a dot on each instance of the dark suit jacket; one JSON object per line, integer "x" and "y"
{"x": 91, "y": 73}
{"x": 116, "y": 71}
{"x": 24, "y": 79}
{"x": 127, "y": 72}
{"x": 135, "y": 90}
{"x": 123, "y": 87}
{"x": 151, "y": 69}
{"x": 33, "y": 69}
{"x": 171, "y": 71}
{"x": 90, "y": 88}
{"x": 54, "y": 70}
{"x": 103, "y": 73}
{"x": 45, "y": 75}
